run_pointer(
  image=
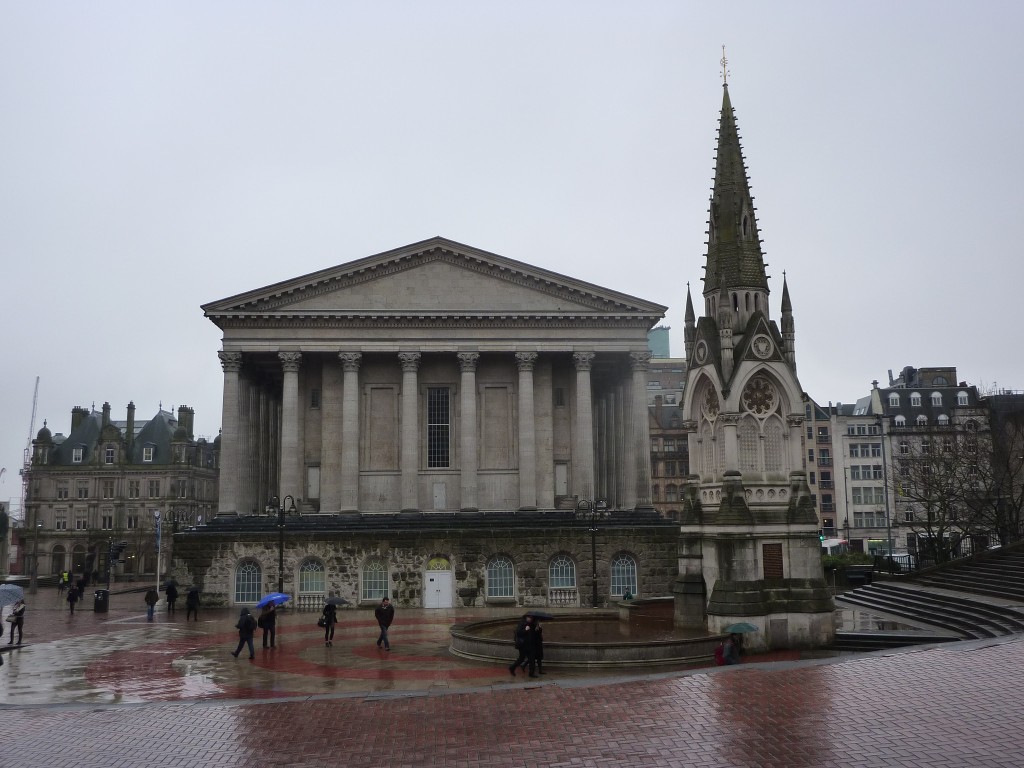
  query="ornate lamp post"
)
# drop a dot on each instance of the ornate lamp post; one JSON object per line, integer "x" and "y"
{"x": 592, "y": 512}
{"x": 275, "y": 506}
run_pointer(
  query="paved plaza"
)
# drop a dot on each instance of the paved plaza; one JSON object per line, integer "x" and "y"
{"x": 111, "y": 689}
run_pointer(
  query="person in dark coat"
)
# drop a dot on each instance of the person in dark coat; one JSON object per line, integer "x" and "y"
{"x": 538, "y": 645}
{"x": 72, "y": 598}
{"x": 268, "y": 623}
{"x": 385, "y": 614}
{"x": 152, "y": 598}
{"x": 246, "y": 627}
{"x": 731, "y": 648}
{"x": 172, "y": 595}
{"x": 330, "y": 618}
{"x": 524, "y": 641}
{"x": 192, "y": 603}
{"x": 17, "y": 619}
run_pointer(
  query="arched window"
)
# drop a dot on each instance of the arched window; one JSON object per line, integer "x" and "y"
{"x": 942, "y": 419}
{"x": 915, "y": 399}
{"x": 894, "y": 400}
{"x": 500, "y": 578}
{"x": 374, "y": 580}
{"x": 937, "y": 399}
{"x": 248, "y": 576}
{"x": 922, "y": 420}
{"x": 57, "y": 559}
{"x": 562, "y": 573}
{"x": 312, "y": 579}
{"x": 961, "y": 398}
{"x": 623, "y": 576}
{"x": 899, "y": 421}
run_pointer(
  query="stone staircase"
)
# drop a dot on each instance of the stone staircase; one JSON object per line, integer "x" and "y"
{"x": 979, "y": 598}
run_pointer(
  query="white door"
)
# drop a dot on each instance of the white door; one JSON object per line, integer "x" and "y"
{"x": 561, "y": 479}
{"x": 440, "y": 496}
{"x": 438, "y": 592}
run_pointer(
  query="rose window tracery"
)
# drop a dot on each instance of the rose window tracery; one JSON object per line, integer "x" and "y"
{"x": 759, "y": 396}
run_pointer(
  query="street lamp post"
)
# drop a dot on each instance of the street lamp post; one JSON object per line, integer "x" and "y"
{"x": 280, "y": 508}
{"x": 592, "y": 511}
{"x": 33, "y": 584}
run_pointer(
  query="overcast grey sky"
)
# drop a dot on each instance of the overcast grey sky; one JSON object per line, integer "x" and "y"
{"x": 157, "y": 156}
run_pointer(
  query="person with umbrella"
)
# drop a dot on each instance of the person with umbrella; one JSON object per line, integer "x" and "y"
{"x": 17, "y": 619}
{"x": 267, "y": 620}
{"x": 385, "y": 614}
{"x": 523, "y": 638}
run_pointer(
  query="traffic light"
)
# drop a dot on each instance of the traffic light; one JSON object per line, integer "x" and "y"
{"x": 821, "y": 535}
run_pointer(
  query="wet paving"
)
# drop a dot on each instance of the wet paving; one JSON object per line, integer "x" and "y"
{"x": 112, "y": 689}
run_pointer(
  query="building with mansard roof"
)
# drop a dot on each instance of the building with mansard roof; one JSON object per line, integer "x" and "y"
{"x": 111, "y": 480}
{"x": 441, "y": 424}
{"x": 750, "y": 546}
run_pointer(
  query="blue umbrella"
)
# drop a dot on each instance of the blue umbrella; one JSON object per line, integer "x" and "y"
{"x": 274, "y": 598}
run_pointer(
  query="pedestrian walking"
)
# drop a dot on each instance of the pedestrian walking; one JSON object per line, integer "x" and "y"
{"x": 385, "y": 614}
{"x": 73, "y": 597}
{"x": 62, "y": 582}
{"x": 192, "y": 603}
{"x": 268, "y": 623}
{"x": 327, "y": 621}
{"x": 152, "y": 598}
{"x": 172, "y": 596}
{"x": 538, "y": 645}
{"x": 524, "y": 642}
{"x": 17, "y": 619}
{"x": 246, "y": 627}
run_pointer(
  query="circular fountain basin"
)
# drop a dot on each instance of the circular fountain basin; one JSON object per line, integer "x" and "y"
{"x": 593, "y": 639}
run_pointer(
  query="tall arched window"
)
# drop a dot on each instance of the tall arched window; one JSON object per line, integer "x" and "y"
{"x": 374, "y": 580}
{"x": 500, "y": 578}
{"x": 312, "y": 578}
{"x": 562, "y": 573}
{"x": 248, "y": 576}
{"x": 623, "y": 576}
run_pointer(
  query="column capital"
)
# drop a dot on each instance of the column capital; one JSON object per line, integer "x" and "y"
{"x": 290, "y": 361}
{"x": 468, "y": 361}
{"x": 583, "y": 360}
{"x": 795, "y": 420}
{"x": 350, "y": 360}
{"x": 231, "y": 362}
{"x": 410, "y": 361}
{"x": 640, "y": 359}
{"x": 526, "y": 360}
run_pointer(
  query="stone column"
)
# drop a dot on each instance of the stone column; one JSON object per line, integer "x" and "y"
{"x": 795, "y": 444}
{"x": 291, "y": 451}
{"x": 410, "y": 450}
{"x": 350, "y": 431}
{"x": 527, "y": 435}
{"x": 468, "y": 431}
{"x": 583, "y": 446}
{"x": 639, "y": 361}
{"x": 330, "y": 438}
{"x": 730, "y": 423}
{"x": 629, "y": 448}
{"x": 230, "y": 466}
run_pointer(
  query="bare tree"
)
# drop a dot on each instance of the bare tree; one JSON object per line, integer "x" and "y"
{"x": 1000, "y": 507}
{"x": 937, "y": 479}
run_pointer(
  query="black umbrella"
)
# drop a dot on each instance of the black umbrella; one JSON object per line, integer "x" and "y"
{"x": 171, "y": 583}
{"x": 544, "y": 615}
{"x": 337, "y": 601}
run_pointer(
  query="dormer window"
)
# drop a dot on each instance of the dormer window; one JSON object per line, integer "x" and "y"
{"x": 894, "y": 400}
{"x": 900, "y": 421}
{"x": 922, "y": 420}
{"x": 147, "y": 454}
{"x": 937, "y": 399}
{"x": 961, "y": 398}
{"x": 76, "y": 455}
{"x": 109, "y": 454}
{"x": 943, "y": 419}
{"x": 915, "y": 399}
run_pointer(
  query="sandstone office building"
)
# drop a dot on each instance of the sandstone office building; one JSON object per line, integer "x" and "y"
{"x": 440, "y": 424}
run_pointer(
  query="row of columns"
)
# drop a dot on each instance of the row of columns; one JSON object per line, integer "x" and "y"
{"x": 622, "y": 421}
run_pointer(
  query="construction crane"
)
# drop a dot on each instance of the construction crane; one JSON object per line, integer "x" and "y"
{"x": 27, "y": 465}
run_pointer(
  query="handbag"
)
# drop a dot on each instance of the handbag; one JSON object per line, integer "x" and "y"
{"x": 322, "y": 621}
{"x": 12, "y": 618}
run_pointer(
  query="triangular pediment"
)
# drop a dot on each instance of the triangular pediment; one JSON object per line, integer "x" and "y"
{"x": 434, "y": 276}
{"x": 760, "y": 341}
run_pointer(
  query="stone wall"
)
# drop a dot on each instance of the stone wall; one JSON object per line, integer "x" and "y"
{"x": 208, "y": 558}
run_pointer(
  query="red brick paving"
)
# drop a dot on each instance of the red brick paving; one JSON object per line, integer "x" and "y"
{"x": 953, "y": 705}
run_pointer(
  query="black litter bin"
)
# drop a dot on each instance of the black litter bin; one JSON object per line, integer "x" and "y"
{"x": 101, "y": 602}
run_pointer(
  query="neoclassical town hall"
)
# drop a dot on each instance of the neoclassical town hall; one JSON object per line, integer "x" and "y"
{"x": 450, "y": 427}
